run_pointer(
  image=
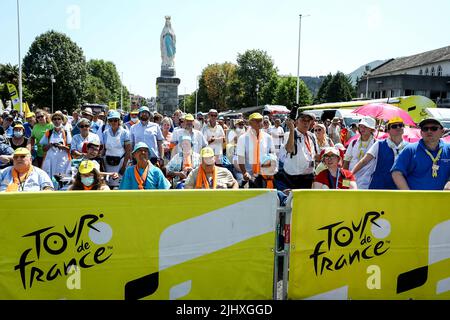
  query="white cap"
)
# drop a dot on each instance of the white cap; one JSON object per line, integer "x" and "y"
{"x": 369, "y": 122}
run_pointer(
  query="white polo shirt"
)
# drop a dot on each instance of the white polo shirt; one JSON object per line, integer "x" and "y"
{"x": 303, "y": 161}
{"x": 245, "y": 147}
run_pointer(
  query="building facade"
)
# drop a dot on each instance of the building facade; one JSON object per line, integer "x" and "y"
{"x": 426, "y": 74}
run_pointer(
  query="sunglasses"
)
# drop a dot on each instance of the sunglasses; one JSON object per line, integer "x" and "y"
{"x": 317, "y": 130}
{"x": 113, "y": 120}
{"x": 426, "y": 129}
{"x": 330, "y": 156}
{"x": 56, "y": 119}
{"x": 19, "y": 157}
{"x": 396, "y": 126}
{"x": 213, "y": 115}
{"x": 84, "y": 126}
{"x": 39, "y": 117}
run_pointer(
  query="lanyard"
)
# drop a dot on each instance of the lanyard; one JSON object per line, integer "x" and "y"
{"x": 434, "y": 167}
{"x": 330, "y": 178}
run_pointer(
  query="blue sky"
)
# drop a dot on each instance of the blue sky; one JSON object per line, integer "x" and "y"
{"x": 337, "y": 36}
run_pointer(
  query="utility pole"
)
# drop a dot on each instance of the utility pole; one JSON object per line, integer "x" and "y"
{"x": 298, "y": 64}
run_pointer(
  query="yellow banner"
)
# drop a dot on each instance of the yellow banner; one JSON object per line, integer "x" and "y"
{"x": 14, "y": 96}
{"x": 370, "y": 245}
{"x": 137, "y": 245}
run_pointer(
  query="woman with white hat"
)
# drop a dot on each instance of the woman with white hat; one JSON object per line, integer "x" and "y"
{"x": 56, "y": 145}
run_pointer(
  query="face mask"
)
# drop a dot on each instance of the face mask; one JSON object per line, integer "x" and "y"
{"x": 239, "y": 131}
{"x": 209, "y": 161}
{"x": 60, "y": 126}
{"x": 134, "y": 119}
{"x": 18, "y": 134}
{"x": 87, "y": 181}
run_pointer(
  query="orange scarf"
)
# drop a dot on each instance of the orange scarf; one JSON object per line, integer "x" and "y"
{"x": 87, "y": 188}
{"x": 269, "y": 182}
{"x": 202, "y": 180}
{"x": 187, "y": 162}
{"x": 14, "y": 186}
{"x": 141, "y": 179}
{"x": 256, "y": 167}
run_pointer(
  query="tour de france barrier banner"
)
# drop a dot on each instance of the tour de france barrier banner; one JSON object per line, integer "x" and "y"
{"x": 162, "y": 245}
{"x": 370, "y": 245}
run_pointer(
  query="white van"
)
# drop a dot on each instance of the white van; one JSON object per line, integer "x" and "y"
{"x": 345, "y": 114}
{"x": 441, "y": 114}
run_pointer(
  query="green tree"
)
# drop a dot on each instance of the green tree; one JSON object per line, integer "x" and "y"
{"x": 339, "y": 89}
{"x": 106, "y": 84}
{"x": 53, "y": 53}
{"x": 256, "y": 70}
{"x": 321, "y": 94}
{"x": 10, "y": 74}
{"x": 286, "y": 92}
{"x": 217, "y": 80}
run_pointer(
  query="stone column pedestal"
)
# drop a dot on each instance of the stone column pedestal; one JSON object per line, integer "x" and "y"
{"x": 167, "y": 92}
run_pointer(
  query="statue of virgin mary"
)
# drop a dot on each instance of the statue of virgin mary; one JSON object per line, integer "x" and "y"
{"x": 168, "y": 49}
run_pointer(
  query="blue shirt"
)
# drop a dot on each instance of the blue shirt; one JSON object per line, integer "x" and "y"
{"x": 150, "y": 134}
{"x": 416, "y": 166}
{"x": 155, "y": 179}
{"x": 28, "y": 129}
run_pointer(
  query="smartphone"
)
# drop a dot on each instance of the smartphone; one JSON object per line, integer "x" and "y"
{"x": 293, "y": 114}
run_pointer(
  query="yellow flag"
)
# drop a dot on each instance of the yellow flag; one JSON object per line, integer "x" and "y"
{"x": 112, "y": 105}
{"x": 14, "y": 96}
{"x": 26, "y": 108}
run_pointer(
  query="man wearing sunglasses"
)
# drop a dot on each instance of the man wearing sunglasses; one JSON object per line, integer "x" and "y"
{"x": 384, "y": 153}
{"x": 23, "y": 176}
{"x": 424, "y": 165}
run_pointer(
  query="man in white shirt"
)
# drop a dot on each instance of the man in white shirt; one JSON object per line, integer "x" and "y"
{"x": 277, "y": 134}
{"x": 214, "y": 135}
{"x": 301, "y": 150}
{"x": 149, "y": 133}
{"x": 198, "y": 140}
{"x": 252, "y": 147}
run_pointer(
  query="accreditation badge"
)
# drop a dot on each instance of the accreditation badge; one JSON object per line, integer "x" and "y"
{"x": 346, "y": 183}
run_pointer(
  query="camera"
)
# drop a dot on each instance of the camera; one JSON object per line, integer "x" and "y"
{"x": 293, "y": 114}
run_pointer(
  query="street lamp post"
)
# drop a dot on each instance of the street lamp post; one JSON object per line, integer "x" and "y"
{"x": 20, "y": 62}
{"x": 367, "y": 80}
{"x": 52, "y": 79}
{"x": 196, "y": 96}
{"x": 297, "y": 97}
{"x": 121, "y": 92}
{"x": 257, "y": 90}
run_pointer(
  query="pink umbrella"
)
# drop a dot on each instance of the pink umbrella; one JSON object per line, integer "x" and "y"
{"x": 384, "y": 111}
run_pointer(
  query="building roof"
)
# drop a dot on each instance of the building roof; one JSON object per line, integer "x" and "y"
{"x": 425, "y": 58}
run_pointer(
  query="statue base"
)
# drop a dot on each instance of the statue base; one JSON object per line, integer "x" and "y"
{"x": 167, "y": 92}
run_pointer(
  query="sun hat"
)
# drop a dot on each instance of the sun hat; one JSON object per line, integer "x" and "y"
{"x": 140, "y": 145}
{"x": 207, "y": 152}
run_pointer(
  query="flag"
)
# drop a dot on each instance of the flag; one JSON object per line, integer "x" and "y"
{"x": 14, "y": 96}
{"x": 112, "y": 105}
{"x": 26, "y": 108}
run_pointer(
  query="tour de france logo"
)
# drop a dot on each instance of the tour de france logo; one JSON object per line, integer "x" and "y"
{"x": 50, "y": 242}
{"x": 358, "y": 240}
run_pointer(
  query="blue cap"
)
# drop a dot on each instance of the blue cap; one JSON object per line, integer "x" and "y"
{"x": 142, "y": 109}
{"x": 140, "y": 145}
{"x": 113, "y": 114}
{"x": 188, "y": 138}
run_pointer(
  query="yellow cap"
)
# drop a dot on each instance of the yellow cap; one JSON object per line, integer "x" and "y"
{"x": 395, "y": 120}
{"x": 189, "y": 117}
{"x": 255, "y": 116}
{"x": 22, "y": 152}
{"x": 29, "y": 115}
{"x": 19, "y": 126}
{"x": 86, "y": 166}
{"x": 135, "y": 111}
{"x": 207, "y": 152}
